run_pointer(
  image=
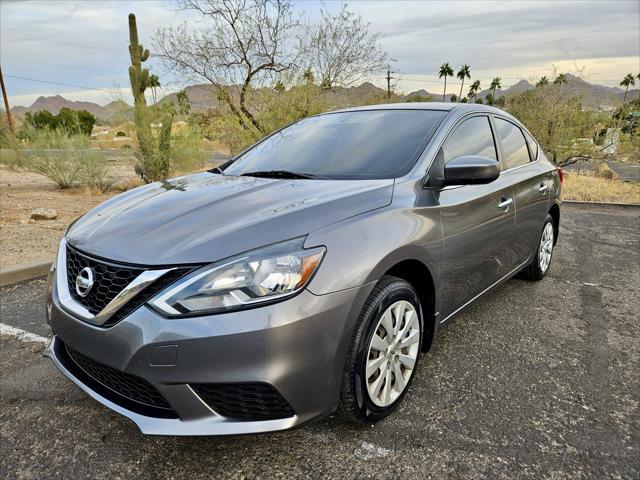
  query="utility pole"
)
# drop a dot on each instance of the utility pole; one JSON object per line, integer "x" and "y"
{"x": 389, "y": 77}
{"x": 6, "y": 104}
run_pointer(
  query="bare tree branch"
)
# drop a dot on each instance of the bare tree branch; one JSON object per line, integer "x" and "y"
{"x": 240, "y": 45}
{"x": 340, "y": 50}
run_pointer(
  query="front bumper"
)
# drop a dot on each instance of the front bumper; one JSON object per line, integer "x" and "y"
{"x": 297, "y": 346}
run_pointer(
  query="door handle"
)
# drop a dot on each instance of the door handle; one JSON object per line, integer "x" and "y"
{"x": 504, "y": 204}
{"x": 543, "y": 187}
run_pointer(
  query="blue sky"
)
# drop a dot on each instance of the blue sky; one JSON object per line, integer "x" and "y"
{"x": 81, "y": 46}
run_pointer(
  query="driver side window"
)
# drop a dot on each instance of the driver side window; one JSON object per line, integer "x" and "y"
{"x": 471, "y": 137}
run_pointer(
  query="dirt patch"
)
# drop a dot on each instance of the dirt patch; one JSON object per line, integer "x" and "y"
{"x": 23, "y": 240}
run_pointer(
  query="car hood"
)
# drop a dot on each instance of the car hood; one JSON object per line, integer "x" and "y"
{"x": 206, "y": 217}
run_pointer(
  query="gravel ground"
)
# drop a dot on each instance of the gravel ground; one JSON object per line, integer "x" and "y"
{"x": 537, "y": 380}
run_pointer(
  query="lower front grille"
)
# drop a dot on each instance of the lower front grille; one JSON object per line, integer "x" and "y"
{"x": 129, "y": 391}
{"x": 244, "y": 401}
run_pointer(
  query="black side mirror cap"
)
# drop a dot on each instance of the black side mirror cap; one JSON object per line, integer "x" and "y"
{"x": 470, "y": 170}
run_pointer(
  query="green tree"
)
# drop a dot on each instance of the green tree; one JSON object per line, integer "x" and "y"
{"x": 562, "y": 127}
{"x": 453, "y": 98}
{"x": 445, "y": 71}
{"x": 543, "y": 82}
{"x": 474, "y": 89}
{"x": 495, "y": 84}
{"x": 464, "y": 72}
{"x": 626, "y": 82}
{"x": 279, "y": 87}
{"x": 184, "y": 105}
{"x": 154, "y": 84}
{"x": 308, "y": 76}
{"x": 41, "y": 120}
{"x": 86, "y": 121}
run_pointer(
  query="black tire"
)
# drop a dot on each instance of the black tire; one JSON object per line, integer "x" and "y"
{"x": 533, "y": 271}
{"x": 355, "y": 403}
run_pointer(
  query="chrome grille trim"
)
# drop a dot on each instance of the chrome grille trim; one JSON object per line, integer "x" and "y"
{"x": 71, "y": 306}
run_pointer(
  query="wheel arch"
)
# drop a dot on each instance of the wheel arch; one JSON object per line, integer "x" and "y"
{"x": 554, "y": 211}
{"x": 421, "y": 279}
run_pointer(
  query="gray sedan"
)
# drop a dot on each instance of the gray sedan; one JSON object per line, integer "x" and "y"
{"x": 304, "y": 276}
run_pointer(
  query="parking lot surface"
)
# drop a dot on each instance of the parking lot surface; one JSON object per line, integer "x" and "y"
{"x": 537, "y": 380}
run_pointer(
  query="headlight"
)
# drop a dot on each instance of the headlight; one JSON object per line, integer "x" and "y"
{"x": 258, "y": 276}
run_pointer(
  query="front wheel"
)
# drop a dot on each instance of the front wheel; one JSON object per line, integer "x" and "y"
{"x": 540, "y": 265}
{"x": 384, "y": 353}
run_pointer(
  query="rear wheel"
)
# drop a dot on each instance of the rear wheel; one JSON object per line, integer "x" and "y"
{"x": 383, "y": 357}
{"x": 540, "y": 265}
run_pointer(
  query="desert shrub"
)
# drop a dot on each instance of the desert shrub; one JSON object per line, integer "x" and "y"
{"x": 602, "y": 170}
{"x": 187, "y": 154}
{"x": 9, "y": 150}
{"x": 93, "y": 169}
{"x": 120, "y": 133}
{"x": 65, "y": 158}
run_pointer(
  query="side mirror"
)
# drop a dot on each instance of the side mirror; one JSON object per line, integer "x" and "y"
{"x": 471, "y": 170}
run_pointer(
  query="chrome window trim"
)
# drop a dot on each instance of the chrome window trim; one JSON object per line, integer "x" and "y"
{"x": 68, "y": 303}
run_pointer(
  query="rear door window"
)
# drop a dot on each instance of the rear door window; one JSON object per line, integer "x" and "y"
{"x": 514, "y": 147}
{"x": 471, "y": 137}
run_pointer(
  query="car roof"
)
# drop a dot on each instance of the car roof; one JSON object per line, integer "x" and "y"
{"x": 440, "y": 106}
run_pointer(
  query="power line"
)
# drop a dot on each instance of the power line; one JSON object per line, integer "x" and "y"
{"x": 57, "y": 83}
{"x": 78, "y": 45}
{"x": 88, "y": 88}
{"x": 47, "y": 64}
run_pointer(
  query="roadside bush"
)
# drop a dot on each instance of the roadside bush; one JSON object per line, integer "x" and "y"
{"x": 187, "y": 154}
{"x": 602, "y": 170}
{"x": 94, "y": 169}
{"x": 66, "y": 159}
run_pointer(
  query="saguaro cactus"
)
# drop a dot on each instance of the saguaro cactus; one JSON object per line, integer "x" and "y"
{"x": 154, "y": 150}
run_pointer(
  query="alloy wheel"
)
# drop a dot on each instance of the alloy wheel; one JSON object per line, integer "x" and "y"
{"x": 392, "y": 353}
{"x": 546, "y": 247}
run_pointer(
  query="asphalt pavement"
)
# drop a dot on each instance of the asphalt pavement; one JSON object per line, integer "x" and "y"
{"x": 537, "y": 380}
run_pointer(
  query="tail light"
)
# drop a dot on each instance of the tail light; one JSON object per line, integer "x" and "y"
{"x": 560, "y": 174}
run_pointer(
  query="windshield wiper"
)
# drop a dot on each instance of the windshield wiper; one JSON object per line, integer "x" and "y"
{"x": 279, "y": 174}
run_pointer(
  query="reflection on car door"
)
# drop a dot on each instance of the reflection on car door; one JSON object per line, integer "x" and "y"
{"x": 531, "y": 180}
{"x": 478, "y": 221}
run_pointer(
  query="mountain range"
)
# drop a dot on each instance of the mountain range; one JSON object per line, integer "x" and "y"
{"x": 116, "y": 111}
{"x": 594, "y": 96}
{"x": 202, "y": 97}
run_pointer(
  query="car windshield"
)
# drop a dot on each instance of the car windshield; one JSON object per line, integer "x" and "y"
{"x": 346, "y": 145}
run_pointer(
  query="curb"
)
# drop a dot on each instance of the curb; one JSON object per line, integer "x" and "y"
{"x": 20, "y": 273}
{"x": 600, "y": 204}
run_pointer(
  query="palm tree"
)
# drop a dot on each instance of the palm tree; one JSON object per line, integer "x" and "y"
{"x": 473, "y": 90}
{"x": 465, "y": 71}
{"x": 543, "y": 82}
{"x": 626, "y": 81}
{"x": 638, "y": 77}
{"x": 560, "y": 79}
{"x": 308, "y": 76}
{"x": 495, "y": 84}
{"x": 153, "y": 84}
{"x": 445, "y": 71}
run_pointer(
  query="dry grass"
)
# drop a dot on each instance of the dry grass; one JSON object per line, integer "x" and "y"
{"x": 589, "y": 188}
